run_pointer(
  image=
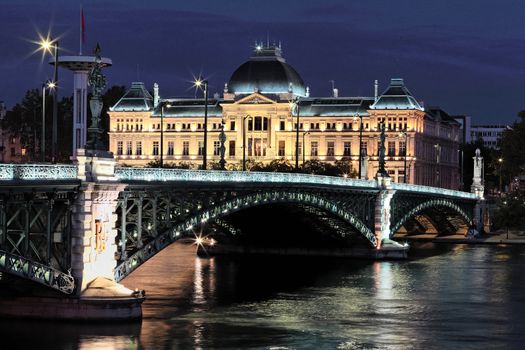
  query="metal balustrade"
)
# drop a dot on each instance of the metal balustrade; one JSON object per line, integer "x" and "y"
{"x": 156, "y": 174}
{"x": 10, "y": 172}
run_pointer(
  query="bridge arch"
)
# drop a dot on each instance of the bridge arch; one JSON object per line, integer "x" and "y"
{"x": 430, "y": 204}
{"x": 227, "y": 207}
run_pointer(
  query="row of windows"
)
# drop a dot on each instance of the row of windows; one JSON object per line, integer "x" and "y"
{"x": 129, "y": 125}
{"x": 256, "y": 147}
{"x": 477, "y": 134}
{"x": 254, "y": 124}
{"x": 170, "y": 148}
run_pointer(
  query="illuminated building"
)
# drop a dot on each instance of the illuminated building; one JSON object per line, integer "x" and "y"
{"x": 259, "y": 94}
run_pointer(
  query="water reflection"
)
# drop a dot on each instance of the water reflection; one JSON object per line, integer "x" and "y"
{"x": 460, "y": 297}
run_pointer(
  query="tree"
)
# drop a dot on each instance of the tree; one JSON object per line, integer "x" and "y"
{"x": 315, "y": 167}
{"x": 24, "y": 121}
{"x": 510, "y": 211}
{"x": 278, "y": 165}
{"x": 513, "y": 146}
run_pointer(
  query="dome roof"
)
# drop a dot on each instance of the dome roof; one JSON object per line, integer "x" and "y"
{"x": 266, "y": 72}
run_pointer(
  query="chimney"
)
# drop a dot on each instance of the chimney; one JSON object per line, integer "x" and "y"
{"x": 336, "y": 92}
{"x": 376, "y": 88}
{"x": 155, "y": 95}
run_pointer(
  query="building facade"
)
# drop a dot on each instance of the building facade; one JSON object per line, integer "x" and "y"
{"x": 490, "y": 135}
{"x": 261, "y": 107}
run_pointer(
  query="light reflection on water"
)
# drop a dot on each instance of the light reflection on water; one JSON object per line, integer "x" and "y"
{"x": 465, "y": 298}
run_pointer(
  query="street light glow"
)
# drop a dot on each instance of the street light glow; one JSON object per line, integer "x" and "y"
{"x": 198, "y": 82}
{"x": 45, "y": 44}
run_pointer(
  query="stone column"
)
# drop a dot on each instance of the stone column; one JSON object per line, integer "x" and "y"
{"x": 382, "y": 210}
{"x": 478, "y": 188}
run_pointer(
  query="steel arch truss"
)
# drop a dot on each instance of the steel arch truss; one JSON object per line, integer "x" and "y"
{"x": 424, "y": 205}
{"x": 35, "y": 235}
{"x": 148, "y": 221}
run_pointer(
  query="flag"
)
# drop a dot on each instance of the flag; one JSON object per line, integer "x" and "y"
{"x": 83, "y": 26}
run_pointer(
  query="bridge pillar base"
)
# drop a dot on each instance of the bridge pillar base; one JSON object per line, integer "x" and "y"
{"x": 94, "y": 233}
{"x": 77, "y": 309}
{"x": 93, "y": 221}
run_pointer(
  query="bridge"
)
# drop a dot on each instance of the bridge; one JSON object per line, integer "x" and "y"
{"x": 65, "y": 225}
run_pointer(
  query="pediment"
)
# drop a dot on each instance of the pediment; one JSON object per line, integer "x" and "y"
{"x": 255, "y": 98}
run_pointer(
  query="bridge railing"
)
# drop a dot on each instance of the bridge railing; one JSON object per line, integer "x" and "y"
{"x": 38, "y": 172}
{"x": 433, "y": 190}
{"x": 156, "y": 174}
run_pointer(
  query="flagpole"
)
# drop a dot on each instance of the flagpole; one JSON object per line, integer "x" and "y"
{"x": 80, "y": 32}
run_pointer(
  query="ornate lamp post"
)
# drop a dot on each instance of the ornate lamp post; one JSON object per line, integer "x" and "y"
{"x": 51, "y": 86}
{"x": 198, "y": 83}
{"x": 97, "y": 81}
{"x": 382, "y": 171}
{"x": 295, "y": 105}
{"x": 244, "y": 141}
{"x": 222, "y": 150}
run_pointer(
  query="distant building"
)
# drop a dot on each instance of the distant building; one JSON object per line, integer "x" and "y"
{"x": 464, "y": 129}
{"x": 257, "y": 118}
{"x": 490, "y": 135}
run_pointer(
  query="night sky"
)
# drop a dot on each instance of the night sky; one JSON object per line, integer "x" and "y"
{"x": 466, "y": 56}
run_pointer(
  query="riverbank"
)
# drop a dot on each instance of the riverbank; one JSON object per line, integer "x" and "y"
{"x": 498, "y": 237}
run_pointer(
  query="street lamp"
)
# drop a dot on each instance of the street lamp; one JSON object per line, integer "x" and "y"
{"x": 304, "y": 134}
{"x": 295, "y": 105}
{"x": 461, "y": 184}
{"x": 405, "y": 134}
{"x": 437, "y": 146}
{"x": 244, "y": 141}
{"x": 360, "y": 142}
{"x": 198, "y": 83}
{"x": 51, "y": 46}
{"x": 51, "y": 86}
{"x": 500, "y": 161}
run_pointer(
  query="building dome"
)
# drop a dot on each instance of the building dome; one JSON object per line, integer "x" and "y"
{"x": 266, "y": 72}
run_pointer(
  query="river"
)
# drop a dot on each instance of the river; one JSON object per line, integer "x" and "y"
{"x": 444, "y": 297}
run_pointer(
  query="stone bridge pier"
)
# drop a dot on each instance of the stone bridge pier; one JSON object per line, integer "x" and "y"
{"x": 93, "y": 223}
